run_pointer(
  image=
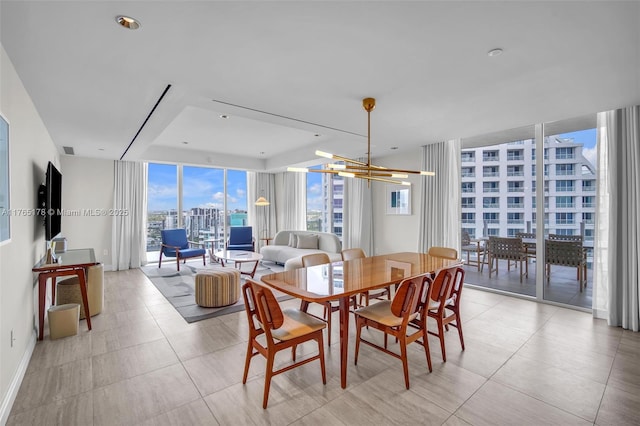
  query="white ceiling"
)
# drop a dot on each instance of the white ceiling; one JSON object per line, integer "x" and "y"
{"x": 291, "y": 75}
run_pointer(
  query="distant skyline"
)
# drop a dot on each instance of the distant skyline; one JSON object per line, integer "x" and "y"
{"x": 204, "y": 187}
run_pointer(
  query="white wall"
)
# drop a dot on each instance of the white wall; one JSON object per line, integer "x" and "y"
{"x": 30, "y": 148}
{"x": 87, "y": 191}
{"x": 394, "y": 233}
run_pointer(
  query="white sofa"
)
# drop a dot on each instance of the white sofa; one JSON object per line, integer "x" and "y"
{"x": 279, "y": 250}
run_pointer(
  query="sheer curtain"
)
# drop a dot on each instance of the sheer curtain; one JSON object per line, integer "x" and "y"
{"x": 129, "y": 231}
{"x": 293, "y": 202}
{"x": 617, "y": 231}
{"x": 440, "y": 196}
{"x": 357, "y": 217}
{"x": 262, "y": 218}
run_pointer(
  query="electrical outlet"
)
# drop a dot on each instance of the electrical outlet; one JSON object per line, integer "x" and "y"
{"x": 105, "y": 252}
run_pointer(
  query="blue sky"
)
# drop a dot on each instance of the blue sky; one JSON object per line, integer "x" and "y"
{"x": 588, "y": 138}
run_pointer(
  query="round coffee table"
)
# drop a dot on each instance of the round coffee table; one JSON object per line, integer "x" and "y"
{"x": 239, "y": 257}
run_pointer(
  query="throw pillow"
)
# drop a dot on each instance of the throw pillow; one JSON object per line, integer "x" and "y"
{"x": 293, "y": 240}
{"x": 307, "y": 242}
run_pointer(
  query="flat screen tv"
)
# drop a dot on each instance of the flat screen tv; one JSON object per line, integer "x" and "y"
{"x": 50, "y": 202}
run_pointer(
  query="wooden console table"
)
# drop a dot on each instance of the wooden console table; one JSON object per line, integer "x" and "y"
{"x": 70, "y": 262}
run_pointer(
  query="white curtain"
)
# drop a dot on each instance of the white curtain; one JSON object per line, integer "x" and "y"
{"x": 292, "y": 213}
{"x": 357, "y": 216}
{"x": 261, "y": 218}
{"x": 619, "y": 277}
{"x": 129, "y": 231}
{"x": 440, "y": 196}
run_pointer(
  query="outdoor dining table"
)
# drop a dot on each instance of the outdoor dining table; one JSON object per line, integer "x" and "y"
{"x": 342, "y": 280}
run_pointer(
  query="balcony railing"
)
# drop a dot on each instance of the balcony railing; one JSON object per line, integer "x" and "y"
{"x": 469, "y": 206}
{"x": 515, "y": 205}
{"x": 565, "y": 205}
{"x": 469, "y": 174}
{"x": 588, "y": 188}
{"x": 588, "y": 204}
{"x": 515, "y": 221}
{"x": 468, "y": 190}
{"x": 515, "y": 189}
{"x": 490, "y": 158}
{"x": 491, "y": 205}
{"x": 491, "y": 190}
{"x": 515, "y": 158}
{"x": 491, "y": 174}
{"x": 565, "y": 221}
{"x": 516, "y": 173}
{"x": 492, "y": 220}
{"x": 565, "y": 156}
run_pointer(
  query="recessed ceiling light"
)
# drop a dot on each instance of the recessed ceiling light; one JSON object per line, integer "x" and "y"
{"x": 261, "y": 152}
{"x": 317, "y": 135}
{"x": 394, "y": 147}
{"x": 495, "y": 52}
{"x": 128, "y": 22}
{"x": 225, "y": 116}
{"x": 100, "y": 149}
{"x": 185, "y": 143}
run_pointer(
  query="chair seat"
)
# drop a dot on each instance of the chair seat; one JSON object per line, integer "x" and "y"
{"x": 381, "y": 313}
{"x": 188, "y": 252}
{"x": 297, "y": 323}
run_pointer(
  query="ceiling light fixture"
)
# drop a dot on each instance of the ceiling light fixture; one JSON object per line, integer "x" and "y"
{"x": 495, "y": 52}
{"x": 359, "y": 169}
{"x": 128, "y": 22}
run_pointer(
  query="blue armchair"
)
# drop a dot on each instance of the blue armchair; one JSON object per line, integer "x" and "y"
{"x": 175, "y": 244}
{"x": 241, "y": 238}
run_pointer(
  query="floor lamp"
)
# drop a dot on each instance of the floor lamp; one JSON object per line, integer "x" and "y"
{"x": 263, "y": 202}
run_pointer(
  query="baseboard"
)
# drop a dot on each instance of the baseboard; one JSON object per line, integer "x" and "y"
{"x": 14, "y": 387}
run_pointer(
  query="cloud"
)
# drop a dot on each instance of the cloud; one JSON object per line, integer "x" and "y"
{"x": 218, "y": 196}
{"x": 315, "y": 189}
{"x": 241, "y": 193}
{"x": 314, "y": 203}
{"x": 590, "y": 154}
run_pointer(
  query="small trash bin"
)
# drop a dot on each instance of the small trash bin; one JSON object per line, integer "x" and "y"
{"x": 63, "y": 320}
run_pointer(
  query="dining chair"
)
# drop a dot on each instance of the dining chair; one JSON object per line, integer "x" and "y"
{"x": 476, "y": 247}
{"x": 444, "y": 252}
{"x": 432, "y": 305}
{"x": 509, "y": 249}
{"x": 358, "y": 253}
{"x": 566, "y": 253}
{"x": 329, "y": 308}
{"x": 281, "y": 329}
{"x": 529, "y": 249}
{"x": 392, "y": 317}
{"x": 451, "y": 315}
{"x": 175, "y": 244}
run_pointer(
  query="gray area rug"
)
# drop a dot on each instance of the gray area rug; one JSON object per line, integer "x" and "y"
{"x": 179, "y": 287}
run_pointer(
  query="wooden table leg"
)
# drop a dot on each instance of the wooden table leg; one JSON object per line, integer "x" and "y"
{"x": 42, "y": 291}
{"x": 85, "y": 299}
{"x": 255, "y": 268}
{"x": 344, "y": 339}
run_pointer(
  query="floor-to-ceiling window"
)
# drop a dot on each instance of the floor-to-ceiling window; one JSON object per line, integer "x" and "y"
{"x": 203, "y": 200}
{"x": 500, "y": 198}
{"x": 325, "y": 194}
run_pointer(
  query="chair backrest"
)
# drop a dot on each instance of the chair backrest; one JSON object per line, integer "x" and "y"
{"x": 558, "y": 237}
{"x": 465, "y": 238}
{"x": 525, "y": 235}
{"x": 175, "y": 238}
{"x": 445, "y": 252}
{"x": 506, "y": 248}
{"x": 566, "y": 253}
{"x": 251, "y": 309}
{"x": 240, "y": 235}
{"x": 353, "y": 253}
{"x": 315, "y": 259}
{"x": 441, "y": 288}
{"x": 456, "y": 288}
{"x": 407, "y": 296}
{"x": 269, "y": 313}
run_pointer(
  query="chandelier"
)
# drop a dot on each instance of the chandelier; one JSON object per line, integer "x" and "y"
{"x": 358, "y": 169}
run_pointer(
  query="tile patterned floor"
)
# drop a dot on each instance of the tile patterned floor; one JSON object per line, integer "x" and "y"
{"x": 524, "y": 363}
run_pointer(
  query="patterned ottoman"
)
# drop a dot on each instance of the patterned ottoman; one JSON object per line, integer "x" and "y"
{"x": 217, "y": 287}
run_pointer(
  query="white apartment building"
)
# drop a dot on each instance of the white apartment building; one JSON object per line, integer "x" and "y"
{"x": 499, "y": 185}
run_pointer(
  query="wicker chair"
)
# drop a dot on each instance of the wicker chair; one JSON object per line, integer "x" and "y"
{"x": 566, "y": 253}
{"x": 472, "y": 247}
{"x": 509, "y": 249}
{"x": 529, "y": 249}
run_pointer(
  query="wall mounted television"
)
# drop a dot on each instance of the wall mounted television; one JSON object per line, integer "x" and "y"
{"x": 50, "y": 202}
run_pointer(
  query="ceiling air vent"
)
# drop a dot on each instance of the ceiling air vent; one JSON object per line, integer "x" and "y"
{"x": 68, "y": 150}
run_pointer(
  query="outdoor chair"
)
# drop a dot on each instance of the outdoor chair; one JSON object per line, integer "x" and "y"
{"x": 509, "y": 249}
{"x": 175, "y": 244}
{"x": 281, "y": 329}
{"x": 241, "y": 238}
{"x": 475, "y": 247}
{"x": 529, "y": 249}
{"x": 566, "y": 253}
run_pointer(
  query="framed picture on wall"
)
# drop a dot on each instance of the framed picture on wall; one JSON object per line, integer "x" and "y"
{"x": 5, "y": 212}
{"x": 398, "y": 199}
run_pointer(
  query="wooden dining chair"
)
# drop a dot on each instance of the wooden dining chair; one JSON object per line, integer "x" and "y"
{"x": 451, "y": 314}
{"x": 392, "y": 317}
{"x": 358, "y": 253}
{"x": 433, "y": 303}
{"x": 444, "y": 252}
{"x": 281, "y": 329}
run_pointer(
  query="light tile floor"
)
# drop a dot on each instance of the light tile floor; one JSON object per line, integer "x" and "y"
{"x": 524, "y": 363}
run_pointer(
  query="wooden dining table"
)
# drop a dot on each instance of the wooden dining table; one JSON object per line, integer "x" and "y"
{"x": 342, "y": 280}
